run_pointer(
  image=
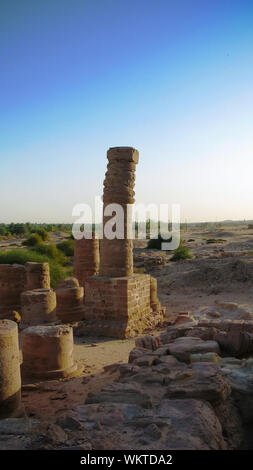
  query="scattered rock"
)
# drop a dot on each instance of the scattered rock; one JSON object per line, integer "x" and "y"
{"x": 183, "y": 347}
{"x": 122, "y": 393}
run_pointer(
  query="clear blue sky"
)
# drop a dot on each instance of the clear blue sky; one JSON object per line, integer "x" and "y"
{"x": 172, "y": 78}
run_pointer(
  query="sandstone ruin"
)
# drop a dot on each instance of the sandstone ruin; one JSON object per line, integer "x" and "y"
{"x": 10, "y": 380}
{"x": 48, "y": 352}
{"x": 69, "y": 301}
{"x": 12, "y": 284}
{"x": 15, "y": 279}
{"x": 117, "y": 301}
{"x": 37, "y": 276}
{"x": 86, "y": 258}
{"x": 38, "y": 306}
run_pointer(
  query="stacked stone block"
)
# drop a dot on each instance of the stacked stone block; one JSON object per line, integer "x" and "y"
{"x": 12, "y": 284}
{"x": 117, "y": 307}
{"x": 37, "y": 276}
{"x": 69, "y": 301}
{"x": 38, "y": 306}
{"x": 10, "y": 380}
{"x": 117, "y": 254}
{"x": 86, "y": 258}
{"x": 118, "y": 302}
{"x": 48, "y": 352}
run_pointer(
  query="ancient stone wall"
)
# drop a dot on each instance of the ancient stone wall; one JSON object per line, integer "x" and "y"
{"x": 12, "y": 284}
{"x": 118, "y": 307}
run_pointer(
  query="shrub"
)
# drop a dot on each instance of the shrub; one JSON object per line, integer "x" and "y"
{"x": 67, "y": 247}
{"x": 42, "y": 233}
{"x": 52, "y": 252}
{"x": 34, "y": 240}
{"x": 17, "y": 256}
{"x": 182, "y": 252}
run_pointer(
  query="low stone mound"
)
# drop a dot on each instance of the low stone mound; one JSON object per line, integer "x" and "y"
{"x": 220, "y": 272}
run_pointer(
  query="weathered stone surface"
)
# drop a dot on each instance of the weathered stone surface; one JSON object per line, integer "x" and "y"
{"x": 183, "y": 347}
{"x": 86, "y": 258}
{"x": 48, "y": 351}
{"x": 17, "y": 426}
{"x": 184, "y": 319}
{"x": 10, "y": 380}
{"x": 122, "y": 393}
{"x": 12, "y": 284}
{"x": 173, "y": 424}
{"x": 235, "y": 343}
{"x": 37, "y": 276}
{"x": 205, "y": 383}
{"x": 205, "y": 357}
{"x": 69, "y": 301}
{"x": 135, "y": 353}
{"x": 240, "y": 377}
{"x": 117, "y": 254}
{"x": 148, "y": 342}
{"x": 230, "y": 419}
{"x": 38, "y": 307}
{"x": 145, "y": 361}
{"x": 118, "y": 307}
{"x": 194, "y": 425}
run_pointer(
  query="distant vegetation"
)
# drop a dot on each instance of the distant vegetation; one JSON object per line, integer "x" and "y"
{"x": 34, "y": 240}
{"x": 40, "y": 249}
{"x": 17, "y": 256}
{"x": 67, "y": 246}
{"x": 24, "y": 230}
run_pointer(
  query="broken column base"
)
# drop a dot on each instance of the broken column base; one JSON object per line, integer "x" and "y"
{"x": 118, "y": 307}
{"x": 48, "y": 352}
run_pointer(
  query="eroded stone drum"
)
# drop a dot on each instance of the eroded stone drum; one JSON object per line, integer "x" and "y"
{"x": 37, "y": 276}
{"x": 48, "y": 351}
{"x": 38, "y": 306}
{"x": 86, "y": 258}
{"x": 10, "y": 381}
{"x": 69, "y": 299}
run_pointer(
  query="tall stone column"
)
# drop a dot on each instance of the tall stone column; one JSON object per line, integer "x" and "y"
{"x": 116, "y": 256}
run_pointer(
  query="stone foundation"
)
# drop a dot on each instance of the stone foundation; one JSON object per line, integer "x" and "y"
{"x": 10, "y": 381}
{"x": 48, "y": 352}
{"x": 119, "y": 307}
